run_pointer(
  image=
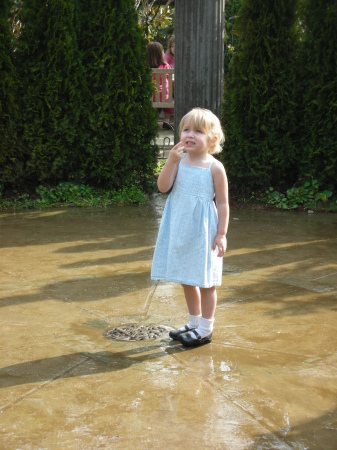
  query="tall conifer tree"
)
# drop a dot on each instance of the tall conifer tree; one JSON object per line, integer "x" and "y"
{"x": 10, "y": 156}
{"x": 121, "y": 119}
{"x": 50, "y": 94}
{"x": 259, "y": 96}
{"x": 318, "y": 78}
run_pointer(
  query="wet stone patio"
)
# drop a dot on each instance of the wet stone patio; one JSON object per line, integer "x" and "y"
{"x": 267, "y": 381}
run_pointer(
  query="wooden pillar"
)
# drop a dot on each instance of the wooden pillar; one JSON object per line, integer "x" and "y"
{"x": 199, "y": 56}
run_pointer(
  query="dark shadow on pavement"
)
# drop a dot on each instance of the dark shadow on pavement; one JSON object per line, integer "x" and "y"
{"x": 82, "y": 364}
{"x": 91, "y": 288}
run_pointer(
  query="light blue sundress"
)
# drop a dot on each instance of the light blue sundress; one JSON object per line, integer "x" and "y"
{"x": 183, "y": 252}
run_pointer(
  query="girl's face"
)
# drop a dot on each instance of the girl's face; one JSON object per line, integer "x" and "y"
{"x": 194, "y": 140}
{"x": 172, "y": 48}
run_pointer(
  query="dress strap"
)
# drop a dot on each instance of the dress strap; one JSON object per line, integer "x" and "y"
{"x": 182, "y": 158}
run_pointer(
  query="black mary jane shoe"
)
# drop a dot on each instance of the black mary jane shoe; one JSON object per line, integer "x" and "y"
{"x": 174, "y": 334}
{"x": 188, "y": 340}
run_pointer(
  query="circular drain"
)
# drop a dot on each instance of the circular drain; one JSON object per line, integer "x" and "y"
{"x": 136, "y": 332}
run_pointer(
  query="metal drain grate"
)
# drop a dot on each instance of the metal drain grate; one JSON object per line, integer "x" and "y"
{"x": 137, "y": 332}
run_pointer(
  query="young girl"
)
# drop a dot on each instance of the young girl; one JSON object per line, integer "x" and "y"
{"x": 155, "y": 60}
{"x": 169, "y": 55}
{"x": 192, "y": 235}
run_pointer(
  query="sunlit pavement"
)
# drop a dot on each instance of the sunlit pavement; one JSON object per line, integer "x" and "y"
{"x": 267, "y": 381}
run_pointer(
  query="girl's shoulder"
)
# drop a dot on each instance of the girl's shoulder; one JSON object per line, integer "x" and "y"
{"x": 217, "y": 166}
{"x": 215, "y": 162}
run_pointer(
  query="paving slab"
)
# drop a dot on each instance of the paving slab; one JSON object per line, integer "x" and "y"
{"x": 267, "y": 381}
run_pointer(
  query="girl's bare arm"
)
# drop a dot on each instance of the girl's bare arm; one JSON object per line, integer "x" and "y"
{"x": 221, "y": 197}
{"x": 168, "y": 174}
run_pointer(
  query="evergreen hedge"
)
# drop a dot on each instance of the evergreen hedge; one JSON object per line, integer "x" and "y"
{"x": 259, "y": 100}
{"x": 50, "y": 94}
{"x": 121, "y": 121}
{"x": 11, "y": 163}
{"x": 75, "y": 95}
{"x": 84, "y": 95}
{"x": 317, "y": 110}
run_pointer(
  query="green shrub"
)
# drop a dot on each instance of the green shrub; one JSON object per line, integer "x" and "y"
{"x": 307, "y": 195}
{"x": 72, "y": 194}
{"x": 259, "y": 99}
{"x": 121, "y": 120}
{"x": 86, "y": 113}
{"x": 11, "y": 162}
{"x": 50, "y": 92}
{"x": 317, "y": 111}
{"x": 64, "y": 192}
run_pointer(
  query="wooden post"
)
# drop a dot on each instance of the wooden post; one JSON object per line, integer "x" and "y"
{"x": 199, "y": 56}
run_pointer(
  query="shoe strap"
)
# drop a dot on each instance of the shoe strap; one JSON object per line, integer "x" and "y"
{"x": 196, "y": 334}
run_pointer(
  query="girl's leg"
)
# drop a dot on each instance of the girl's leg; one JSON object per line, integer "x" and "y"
{"x": 208, "y": 298}
{"x": 208, "y": 302}
{"x": 193, "y": 299}
{"x": 201, "y": 300}
{"x": 208, "y": 305}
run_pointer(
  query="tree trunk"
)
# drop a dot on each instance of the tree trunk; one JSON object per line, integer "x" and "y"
{"x": 199, "y": 56}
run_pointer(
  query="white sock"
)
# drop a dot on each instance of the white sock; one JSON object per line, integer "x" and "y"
{"x": 205, "y": 327}
{"x": 194, "y": 321}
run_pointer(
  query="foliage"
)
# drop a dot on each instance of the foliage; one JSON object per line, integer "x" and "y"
{"x": 50, "y": 95}
{"x": 16, "y": 17}
{"x": 83, "y": 91}
{"x": 317, "y": 78}
{"x": 71, "y": 194}
{"x": 151, "y": 181}
{"x": 64, "y": 192}
{"x": 259, "y": 101}
{"x": 231, "y": 35}
{"x": 155, "y": 20}
{"x": 121, "y": 121}
{"x": 307, "y": 195}
{"x": 11, "y": 165}
{"x": 75, "y": 95}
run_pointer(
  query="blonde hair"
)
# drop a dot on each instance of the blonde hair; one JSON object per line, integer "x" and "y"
{"x": 207, "y": 122}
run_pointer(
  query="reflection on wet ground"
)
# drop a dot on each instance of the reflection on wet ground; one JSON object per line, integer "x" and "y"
{"x": 267, "y": 381}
